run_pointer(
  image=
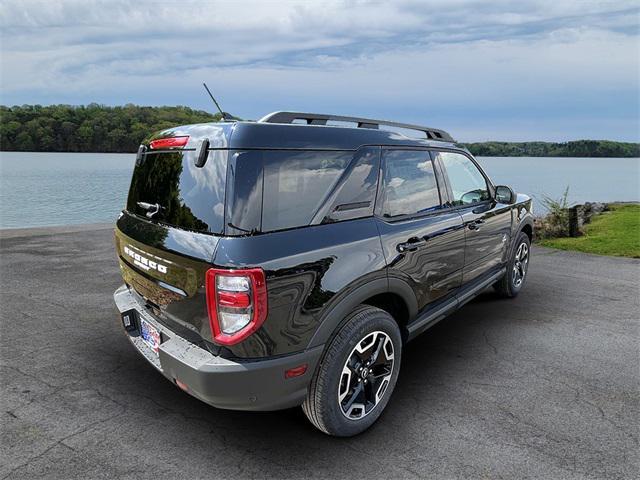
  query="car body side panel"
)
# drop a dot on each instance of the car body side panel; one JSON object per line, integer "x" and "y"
{"x": 487, "y": 243}
{"x": 522, "y": 214}
{"x": 308, "y": 270}
{"x": 433, "y": 270}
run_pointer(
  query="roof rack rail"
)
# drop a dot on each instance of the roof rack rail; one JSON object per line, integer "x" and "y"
{"x": 321, "y": 119}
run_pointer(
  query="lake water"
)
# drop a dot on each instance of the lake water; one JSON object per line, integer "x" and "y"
{"x": 39, "y": 189}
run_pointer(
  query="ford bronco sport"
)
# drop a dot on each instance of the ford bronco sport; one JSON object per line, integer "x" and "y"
{"x": 287, "y": 261}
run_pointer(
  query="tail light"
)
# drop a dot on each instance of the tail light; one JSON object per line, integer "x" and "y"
{"x": 169, "y": 142}
{"x": 236, "y": 302}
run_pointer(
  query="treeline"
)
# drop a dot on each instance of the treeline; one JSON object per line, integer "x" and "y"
{"x": 91, "y": 128}
{"x": 99, "y": 128}
{"x": 578, "y": 148}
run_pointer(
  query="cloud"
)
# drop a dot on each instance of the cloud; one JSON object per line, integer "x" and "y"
{"x": 529, "y": 69}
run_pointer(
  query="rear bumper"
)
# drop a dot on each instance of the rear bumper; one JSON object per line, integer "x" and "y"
{"x": 223, "y": 383}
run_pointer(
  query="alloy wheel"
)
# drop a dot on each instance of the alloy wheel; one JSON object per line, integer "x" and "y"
{"x": 366, "y": 375}
{"x": 520, "y": 264}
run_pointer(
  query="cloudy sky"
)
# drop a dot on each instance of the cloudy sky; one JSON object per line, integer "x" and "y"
{"x": 525, "y": 70}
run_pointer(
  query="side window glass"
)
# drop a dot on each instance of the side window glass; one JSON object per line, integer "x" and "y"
{"x": 468, "y": 185}
{"x": 355, "y": 196}
{"x": 410, "y": 185}
{"x": 296, "y": 183}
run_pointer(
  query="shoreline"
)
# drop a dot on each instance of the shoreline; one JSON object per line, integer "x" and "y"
{"x": 33, "y": 231}
{"x": 479, "y": 156}
{"x": 6, "y": 233}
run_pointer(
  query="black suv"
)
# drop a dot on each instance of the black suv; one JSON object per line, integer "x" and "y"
{"x": 287, "y": 261}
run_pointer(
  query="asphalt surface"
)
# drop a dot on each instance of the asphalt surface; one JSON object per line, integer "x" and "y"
{"x": 544, "y": 386}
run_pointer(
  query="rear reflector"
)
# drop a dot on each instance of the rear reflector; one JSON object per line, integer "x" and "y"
{"x": 183, "y": 386}
{"x": 236, "y": 303}
{"x": 295, "y": 371}
{"x": 169, "y": 142}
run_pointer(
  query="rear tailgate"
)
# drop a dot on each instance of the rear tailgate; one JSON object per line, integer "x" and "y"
{"x": 166, "y": 275}
{"x": 164, "y": 251}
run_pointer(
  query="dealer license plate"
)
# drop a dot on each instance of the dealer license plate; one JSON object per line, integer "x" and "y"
{"x": 150, "y": 335}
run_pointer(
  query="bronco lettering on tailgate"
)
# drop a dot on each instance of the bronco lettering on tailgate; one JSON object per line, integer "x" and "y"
{"x": 144, "y": 262}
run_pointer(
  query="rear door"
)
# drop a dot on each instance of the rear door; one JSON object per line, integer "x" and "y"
{"x": 422, "y": 240}
{"x": 487, "y": 223}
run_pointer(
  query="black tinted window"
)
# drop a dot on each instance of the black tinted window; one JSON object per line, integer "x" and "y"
{"x": 186, "y": 196}
{"x": 295, "y": 185}
{"x": 244, "y": 192}
{"x": 409, "y": 183}
{"x": 468, "y": 185}
{"x": 355, "y": 196}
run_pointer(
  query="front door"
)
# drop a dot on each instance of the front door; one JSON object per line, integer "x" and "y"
{"x": 423, "y": 243}
{"x": 487, "y": 223}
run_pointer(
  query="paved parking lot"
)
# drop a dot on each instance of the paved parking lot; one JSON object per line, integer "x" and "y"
{"x": 544, "y": 386}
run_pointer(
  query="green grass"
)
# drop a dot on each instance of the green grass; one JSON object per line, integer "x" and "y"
{"x": 616, "y": 232}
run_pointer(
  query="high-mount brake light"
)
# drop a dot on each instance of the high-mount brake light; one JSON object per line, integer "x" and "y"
{"x": 169, "y": 142}
{"x": 236, "y": 303}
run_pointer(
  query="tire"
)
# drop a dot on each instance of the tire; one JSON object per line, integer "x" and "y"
{"x": 338, "y": 401}
{"x": 512, "y": 282}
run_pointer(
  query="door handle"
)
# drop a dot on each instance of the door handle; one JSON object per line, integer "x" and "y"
{"x": 475, "y": 225}
{"x": 412, "y": 244}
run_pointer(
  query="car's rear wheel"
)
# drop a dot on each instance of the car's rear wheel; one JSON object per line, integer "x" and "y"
{"x": 357, "y": 374}
{"x": 510, "y": 285}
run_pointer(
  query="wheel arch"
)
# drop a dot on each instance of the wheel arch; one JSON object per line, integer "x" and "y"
{"x": 525, "y": 226}
{"x": 393, "y": 295}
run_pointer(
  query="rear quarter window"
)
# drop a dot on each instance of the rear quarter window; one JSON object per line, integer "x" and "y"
{"x": 296, "y": 184}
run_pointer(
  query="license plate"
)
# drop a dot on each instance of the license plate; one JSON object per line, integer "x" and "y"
{"x": 150, "y": 335}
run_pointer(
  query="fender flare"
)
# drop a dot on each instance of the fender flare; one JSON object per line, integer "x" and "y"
{"x": 334, "y": 317}
{"x": 526, "y": 220}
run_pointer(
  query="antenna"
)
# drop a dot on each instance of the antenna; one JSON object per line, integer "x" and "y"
{"x": 225, "y": 116}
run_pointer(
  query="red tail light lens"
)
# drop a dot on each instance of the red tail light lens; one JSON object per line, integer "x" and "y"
{"x": 234, "y": 299}
{"x": 236, "y": 303}
{"x": 169, "y": 142}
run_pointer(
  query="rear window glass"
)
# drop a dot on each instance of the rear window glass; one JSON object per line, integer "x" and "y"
{"x": 296, "y": 183}
{"x": 184, "y": 195}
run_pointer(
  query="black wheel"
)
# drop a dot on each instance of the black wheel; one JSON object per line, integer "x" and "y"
{"x": 356, "y": 375}
{"x": 510, "y": 285}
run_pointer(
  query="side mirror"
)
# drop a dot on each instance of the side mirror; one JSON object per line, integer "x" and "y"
{"x": 505, "y": 194}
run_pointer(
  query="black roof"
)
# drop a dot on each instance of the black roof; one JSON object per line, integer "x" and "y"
{"x": 320, "y": 131}
{"x": 295, "y": 130}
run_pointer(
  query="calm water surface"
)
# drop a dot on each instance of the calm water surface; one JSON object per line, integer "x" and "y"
{"x": 38, "y": 189}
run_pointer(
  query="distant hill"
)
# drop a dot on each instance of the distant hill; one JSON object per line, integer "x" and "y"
{"x": 99, "y": 128}
{"x": 90, "y": 128}
{"x": 578, "y": 148}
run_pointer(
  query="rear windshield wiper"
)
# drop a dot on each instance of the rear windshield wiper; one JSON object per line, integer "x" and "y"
{"x": 151, "y": 208}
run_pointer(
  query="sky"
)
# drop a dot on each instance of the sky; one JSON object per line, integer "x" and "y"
{"x": 482, "y": 70}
